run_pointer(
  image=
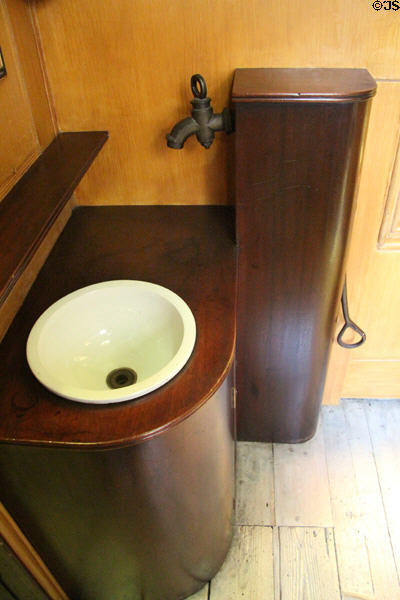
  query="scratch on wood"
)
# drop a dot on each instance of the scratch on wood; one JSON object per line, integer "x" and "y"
{"x": 326, "y": 541}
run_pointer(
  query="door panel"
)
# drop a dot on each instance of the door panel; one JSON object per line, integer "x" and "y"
{"x": 373, "y": 269}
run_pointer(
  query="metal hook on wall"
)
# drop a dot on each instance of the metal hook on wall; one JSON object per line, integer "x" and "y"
{"x": 349, "y": 324}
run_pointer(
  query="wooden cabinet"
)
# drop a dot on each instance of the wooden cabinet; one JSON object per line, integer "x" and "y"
{"x": 138, "y": 521}
{"x": 299, "y": 133}
{"x": 116, "y": 498}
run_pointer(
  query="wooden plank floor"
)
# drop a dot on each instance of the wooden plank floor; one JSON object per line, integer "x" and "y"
{"x": 319, "y": 520}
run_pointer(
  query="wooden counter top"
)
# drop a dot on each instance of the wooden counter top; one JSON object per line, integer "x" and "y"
{"x": 185, "y": 248}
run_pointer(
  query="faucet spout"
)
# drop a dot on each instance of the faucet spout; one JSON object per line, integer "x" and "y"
{"x": 181, "y": 131}
{"x": 203, "y": 121}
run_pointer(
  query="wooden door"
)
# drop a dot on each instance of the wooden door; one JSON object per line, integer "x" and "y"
{"x": 373, "y": 268}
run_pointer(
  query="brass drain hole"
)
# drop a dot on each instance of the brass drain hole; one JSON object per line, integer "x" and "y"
{"x": 121, "y": 377}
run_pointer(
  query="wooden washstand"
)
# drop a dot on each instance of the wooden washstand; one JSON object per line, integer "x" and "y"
{"x": 133, "y": 499}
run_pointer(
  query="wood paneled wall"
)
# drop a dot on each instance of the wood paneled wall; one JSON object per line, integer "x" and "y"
{"x": 28, "y": 121}
{"x": 27, "y": 125}
{"x": 18, "y": 140}
{"x": 22, "y": 21}
{"x": 125, "y": 66}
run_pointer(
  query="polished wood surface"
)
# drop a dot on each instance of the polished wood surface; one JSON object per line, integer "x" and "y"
{"x": 144, "y": 93}
{"x": 10, "y": 306}
{"x": 153, "y": 520}
{"x": 19, "y": 145}
{"x": 31, "y": 207}
{"x": 187, "y": 249}
{"x": 126, "y": 67}
{"x": 373, "y": 370}
{"x": 286, "y": 85}
{"x": 296, "y": 168}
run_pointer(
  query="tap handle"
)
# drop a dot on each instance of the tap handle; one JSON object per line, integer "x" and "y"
{"x": 198, "y": 85}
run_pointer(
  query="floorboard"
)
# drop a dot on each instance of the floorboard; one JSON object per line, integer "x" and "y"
{"x": 255, "y": 504}
{"x": 301, "y": 484}
{"x": 277, "y": 563}
{"x": 384, "y": 426}
{"x": 382, "y": 564}
{"x": 351, "y": 546}
{"x": 248, "y": 569}
{"x": 308, "y": 564}
{"x": 202, "y": 594}
{"x": 319, "y": 520}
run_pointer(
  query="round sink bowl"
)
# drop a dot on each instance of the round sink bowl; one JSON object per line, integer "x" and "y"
{"x": 111, "y": 342}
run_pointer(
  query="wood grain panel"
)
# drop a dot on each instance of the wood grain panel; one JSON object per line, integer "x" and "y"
{"x": 255, "y": 502}
{"x": 375, "y": 526}
{"x": 296, "y": 167}
{"x": 389, "y": 235}
{"x": 384, "y": 426}
{"x": 248, "y": 569}
{"x": 19, "y": 145}
{"x": 15, "y": 299}
{"x": 373, "y": 282}
{"x": 372, "y": 379}
{"x": 31, "y": 207}
{"x": 350, "y": 538}
{"x": 298, "y": 469}
{"x": 28, "y": 45}
{"x": 308, "y": 565}
{"x": 203, "y": 594}
{"x": 125, "y": 67}
{"x": 161, "y": 523}
{"x": 140, "y": 87}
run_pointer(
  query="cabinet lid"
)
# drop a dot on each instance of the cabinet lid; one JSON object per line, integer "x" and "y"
{"x": 317, "y": 85}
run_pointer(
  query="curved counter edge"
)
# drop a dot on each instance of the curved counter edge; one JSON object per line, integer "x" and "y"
{"x": 150, "y": 520}
{"x": 189, "y": 249}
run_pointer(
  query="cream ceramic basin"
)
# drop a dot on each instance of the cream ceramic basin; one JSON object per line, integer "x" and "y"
{"x": 111, "y": 342}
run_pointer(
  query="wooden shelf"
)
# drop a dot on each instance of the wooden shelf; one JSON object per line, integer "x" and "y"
{"x": 31, "y": 207}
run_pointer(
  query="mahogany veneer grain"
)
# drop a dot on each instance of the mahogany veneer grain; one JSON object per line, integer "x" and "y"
{"x": 187, "y": 249}
{"x": 299, "y": 134}
{"x": 151, "y": 520}
{"x": 300, "y": 85}
{"x": 31, "y": 207}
